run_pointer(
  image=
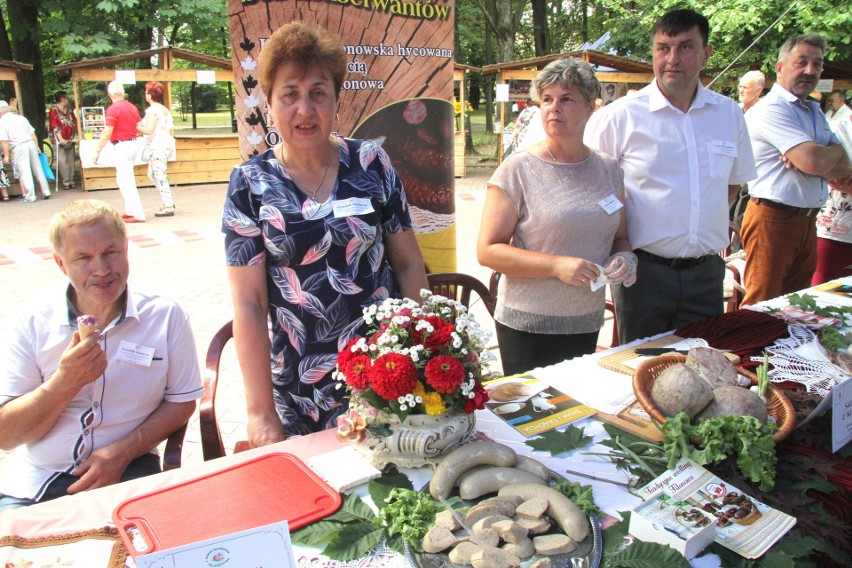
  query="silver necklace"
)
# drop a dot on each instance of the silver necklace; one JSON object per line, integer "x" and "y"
{"x": 549, "y": 153}
{"x": 301, "y": 186}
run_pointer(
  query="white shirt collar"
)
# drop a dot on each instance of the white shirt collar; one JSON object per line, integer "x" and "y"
{"x": 657, "y": 100}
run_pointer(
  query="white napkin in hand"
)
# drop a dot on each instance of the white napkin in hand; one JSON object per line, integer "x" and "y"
{"x": 600, "y": 281}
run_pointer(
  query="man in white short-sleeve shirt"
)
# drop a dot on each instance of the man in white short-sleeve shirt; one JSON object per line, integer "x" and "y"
{"x": 81, "y": 411}
{"x": 684, "y": 151}
{"x": 796, "y": 152}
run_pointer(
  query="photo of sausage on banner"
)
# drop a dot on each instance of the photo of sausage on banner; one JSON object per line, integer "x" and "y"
{"x": 417, "y": 134}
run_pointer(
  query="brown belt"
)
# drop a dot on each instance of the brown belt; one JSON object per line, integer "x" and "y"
{"x": 804, "y": 211}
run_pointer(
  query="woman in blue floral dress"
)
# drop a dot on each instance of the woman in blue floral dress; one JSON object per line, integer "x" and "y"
{"x": 315, "y": 229}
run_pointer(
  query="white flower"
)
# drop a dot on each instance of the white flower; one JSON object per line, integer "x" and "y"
{"x": 418, "y": 399}
{"x": 401, "y": 400}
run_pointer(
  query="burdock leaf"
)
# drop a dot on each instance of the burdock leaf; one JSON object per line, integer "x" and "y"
{"x": 558, "y": 442}
{"x": 353, "y": 541}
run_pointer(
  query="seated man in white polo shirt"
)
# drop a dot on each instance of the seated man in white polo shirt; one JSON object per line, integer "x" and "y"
{"x": 82, "y": 413}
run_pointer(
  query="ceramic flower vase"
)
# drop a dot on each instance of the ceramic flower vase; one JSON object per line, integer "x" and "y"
{"x": 418, "y": 440}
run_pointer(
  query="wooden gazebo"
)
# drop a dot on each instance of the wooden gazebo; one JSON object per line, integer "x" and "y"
{"x": 460, "y": 70}
{"x": 9, "y": 71}
{"x": 626, "y": 70}
{"x": 200, "y": 157}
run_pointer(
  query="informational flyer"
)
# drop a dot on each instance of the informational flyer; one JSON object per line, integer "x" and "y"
{"x": 268, "y": 546}
{"x": 531, "y": 406}
{"x": 744, "y": 524}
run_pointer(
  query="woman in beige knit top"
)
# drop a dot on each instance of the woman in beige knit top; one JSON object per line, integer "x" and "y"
{"x": 552, "y": 224}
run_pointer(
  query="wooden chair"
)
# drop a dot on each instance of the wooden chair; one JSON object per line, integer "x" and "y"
{"x": 174, "y": 449}
{"x": 211, "y": 437}
{"x": 459, "y": 286}
{"x": 735, "y": 265}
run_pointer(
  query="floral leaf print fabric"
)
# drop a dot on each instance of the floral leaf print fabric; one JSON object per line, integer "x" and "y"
{"x": 321, "y": 269}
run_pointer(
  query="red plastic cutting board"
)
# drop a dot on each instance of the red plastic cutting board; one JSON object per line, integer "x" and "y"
{"x": 264, "y": 490}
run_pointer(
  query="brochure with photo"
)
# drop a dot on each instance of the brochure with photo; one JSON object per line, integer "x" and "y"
{"x": 686, "y": 494}
{"x": 531, "y": 406}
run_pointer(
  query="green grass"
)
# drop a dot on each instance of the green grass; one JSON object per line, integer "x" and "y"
{"x": 204, "y": 119}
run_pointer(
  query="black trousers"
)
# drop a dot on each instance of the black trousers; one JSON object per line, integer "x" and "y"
{"x": 666, "y": 298}
{"x": 521, "y": 351}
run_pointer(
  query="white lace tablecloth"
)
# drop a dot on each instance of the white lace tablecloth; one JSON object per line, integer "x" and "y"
{"x": 799, "y": 359}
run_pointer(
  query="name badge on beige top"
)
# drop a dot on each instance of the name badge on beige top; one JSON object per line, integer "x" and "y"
{"x": 610, "y": 204}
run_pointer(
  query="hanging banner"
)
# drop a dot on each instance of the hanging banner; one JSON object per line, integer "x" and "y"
{"x": 398, "y": 91}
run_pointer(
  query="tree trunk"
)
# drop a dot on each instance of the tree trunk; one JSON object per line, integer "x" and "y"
{"x": 541, "y": 31}
{"x": 5, "y": 53}
{"x": 23, "y": 17}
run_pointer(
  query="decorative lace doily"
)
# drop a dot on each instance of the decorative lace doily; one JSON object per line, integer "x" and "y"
{"x": 798, "y": 359}
{"x": 379, "y": 558}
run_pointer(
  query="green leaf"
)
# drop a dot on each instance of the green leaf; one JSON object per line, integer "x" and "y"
{"x": 317, "y": 534}
{"x": 353, "y": 509}
{"x": 380, "y": 488}
{"x": 613, "y": 537}
{"x": 626, "y": 438}
{"x": 648, "y": 555}
{"x": 556, "y": 442}
{"x": 353, "y": 541}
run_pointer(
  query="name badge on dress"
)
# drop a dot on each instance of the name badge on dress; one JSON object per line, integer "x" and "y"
{"x": 724, "y": 147}
{"x": 352, "y": 206}
{"x": 610, "y": 204}
{"x": 134, "y": 353}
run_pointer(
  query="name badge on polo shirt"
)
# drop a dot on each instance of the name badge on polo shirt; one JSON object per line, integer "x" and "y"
{"x": 724, "y": 147}
{"x": 610, "y": 204}
{"x": 136, "y": 354}
{"x": 352, "y": 206}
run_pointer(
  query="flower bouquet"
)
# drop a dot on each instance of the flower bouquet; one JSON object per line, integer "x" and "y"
{"x": 414, "y": 381}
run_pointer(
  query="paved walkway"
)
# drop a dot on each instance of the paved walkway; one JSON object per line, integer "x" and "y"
{"x": 181, "y": 257}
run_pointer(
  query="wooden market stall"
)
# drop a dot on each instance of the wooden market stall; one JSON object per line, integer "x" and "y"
{"x": 9, "y": 71}
{"x": 202, "y": 156}
{"x": 460, "y": 70}
{"x": 630, "y": 73}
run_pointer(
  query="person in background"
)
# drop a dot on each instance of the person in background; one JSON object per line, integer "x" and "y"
{"x": 552, "y": 223}
{"x": 20, "y": 148}
{"x": 685, "y": 151}
{"x": 316, "y": 228}
{"x": 838, "y": 110}
{"x": 158, "y": 126}
{"x": 750, "y": 88}
{"x": 120, "y": 131}
{"x": 796, "y": 152}
{"x": 834, "y": 221}
{"x": 83, "y": 411}
{"x": 63, "y": 128}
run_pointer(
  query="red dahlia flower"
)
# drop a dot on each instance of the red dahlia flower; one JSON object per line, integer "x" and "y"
{"x": 480, "y": 397}
{"x": 357, "y": 371}
{"x": 439, "y": 338}
{"x": 344, "y": 356}
{"x": 393, "y": 375}
{"x": 444, "y": 373}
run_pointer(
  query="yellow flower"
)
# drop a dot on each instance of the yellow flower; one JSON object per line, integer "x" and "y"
{"x": 433, "y": 403}
{"x": 419, "y": 390}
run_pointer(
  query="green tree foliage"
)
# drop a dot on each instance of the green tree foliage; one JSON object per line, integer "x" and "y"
{"x": 734, "y": 25}
{"x": 50, "y": 32}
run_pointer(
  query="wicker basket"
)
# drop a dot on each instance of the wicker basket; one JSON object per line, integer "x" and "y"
{"x": 777, "y": 405}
